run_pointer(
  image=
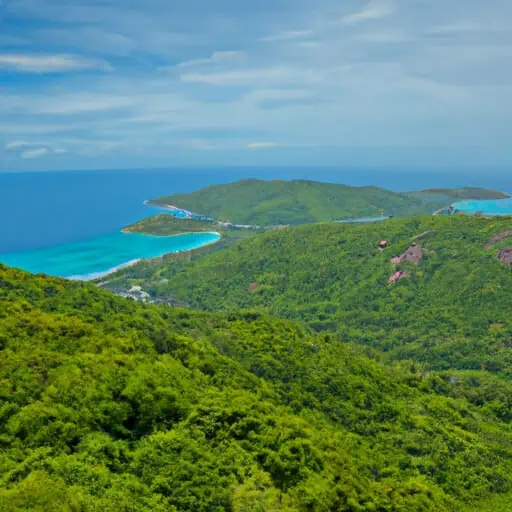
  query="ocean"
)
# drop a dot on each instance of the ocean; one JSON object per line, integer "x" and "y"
{"x": 68, "y": 223}
{"x": 96, "y": 257}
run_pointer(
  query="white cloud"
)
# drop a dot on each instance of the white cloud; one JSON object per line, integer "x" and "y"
{"x": 28, "y": 150}
{"x": 262, "y": 145}
{"x": 215, "y": 58}
{"x": 288, "y": 35}
{"x": 50, "y": 63}
{"x": 374, "y": 10}
{"x": 34, "y": 153}
{"x": 16, "y": 144}
{"x": 326, "y": 81}
{"x": 254, "y": 76}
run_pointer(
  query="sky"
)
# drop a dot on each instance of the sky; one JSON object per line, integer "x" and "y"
{"x": 91, "y": 84}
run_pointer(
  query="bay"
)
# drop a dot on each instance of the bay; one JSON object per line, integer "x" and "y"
{"x": 99, "y": 256}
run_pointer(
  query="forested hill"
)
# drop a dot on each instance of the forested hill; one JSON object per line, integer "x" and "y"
{"x": 110, "y": 405}
{"x": 450, "y": 309}
{"x": 268, "y": 203}
{"x": 451, "y": 195}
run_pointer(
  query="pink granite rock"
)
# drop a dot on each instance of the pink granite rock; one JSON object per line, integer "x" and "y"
{"x": 397, "y": 276}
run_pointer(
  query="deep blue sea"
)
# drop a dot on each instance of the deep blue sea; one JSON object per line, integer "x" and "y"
{"x": 68, "y": 223}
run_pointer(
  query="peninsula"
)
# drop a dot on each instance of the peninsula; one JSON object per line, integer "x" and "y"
{"x": 271, "y": 203}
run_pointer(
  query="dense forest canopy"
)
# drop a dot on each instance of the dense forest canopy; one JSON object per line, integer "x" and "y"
{"x": 107, "y": 404}
{"x": 451, "y": 311}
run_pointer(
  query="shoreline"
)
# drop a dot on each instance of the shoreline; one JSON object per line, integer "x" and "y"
{"x": 99, "y": 275}
{"x": 172, "y": 208}
{"x": 124, "y": 232}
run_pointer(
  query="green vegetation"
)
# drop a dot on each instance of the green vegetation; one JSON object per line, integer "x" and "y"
{"x": 461, "y": 194}
{"x": 365, "y": 396}
{"x": 110, "y": 405}
{"x": 499, "y": 503}
{"x": 452, "y": 311}
{"x": 168, "y": 225}
{"x": 270, "y": 203}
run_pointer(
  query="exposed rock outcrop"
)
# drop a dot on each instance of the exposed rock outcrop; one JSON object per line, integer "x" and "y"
{"x": 495, "y": 239}
{"x": 414, "y": 255}
{"x": 505, "y": 255}
{"x": 397, "y": 276}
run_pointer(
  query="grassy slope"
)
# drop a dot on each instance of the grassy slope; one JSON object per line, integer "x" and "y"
{"x": 452, "y": 311}
{"x": 293, "y": 202}
{"x": 110, "y": 405}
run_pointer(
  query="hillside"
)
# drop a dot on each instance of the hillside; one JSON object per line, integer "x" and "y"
{"x": 268, "y": 203}
{"x": 110, "y": 405}
{"x": 452, "y": 309}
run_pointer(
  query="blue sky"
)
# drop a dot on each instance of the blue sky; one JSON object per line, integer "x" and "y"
{"x": 391, "y": 83}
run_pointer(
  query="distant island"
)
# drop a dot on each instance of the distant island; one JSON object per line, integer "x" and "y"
{"x": 270, "y": 203}
{"x": 450, "y": 195}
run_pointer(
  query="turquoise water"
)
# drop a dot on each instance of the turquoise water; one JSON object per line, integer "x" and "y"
{"x": 92, "y": 258}
{"x": 363, "y": 220}
{"x": 489, "y": 207}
